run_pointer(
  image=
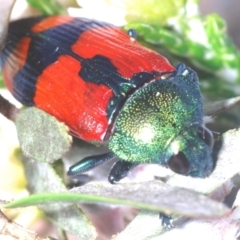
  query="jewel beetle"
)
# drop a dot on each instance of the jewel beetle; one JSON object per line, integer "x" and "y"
{"x": 109, "y": 90}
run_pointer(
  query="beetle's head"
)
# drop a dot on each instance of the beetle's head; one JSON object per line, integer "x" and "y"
{"x": 162, "y": 122}
{"x": 189, "y": 153}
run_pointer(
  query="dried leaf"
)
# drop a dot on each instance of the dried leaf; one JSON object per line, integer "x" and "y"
{"x": 41, "y": 179}
{"x": 41, "y": 136}
{"x": 214, "y": 108}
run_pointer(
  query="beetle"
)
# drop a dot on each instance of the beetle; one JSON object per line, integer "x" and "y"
{"x": 109, "y": 90}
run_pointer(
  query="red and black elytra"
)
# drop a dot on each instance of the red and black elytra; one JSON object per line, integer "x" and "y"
{"x": 94, "y": 62}
{"x": 108, "y": 89}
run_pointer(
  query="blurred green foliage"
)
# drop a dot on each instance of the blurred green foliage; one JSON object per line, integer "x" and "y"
{"x": 47, "y": 7}
{"x": 201, "y": 41}
{"x": 1, "y": 81}
{"x": 152, "y": 11}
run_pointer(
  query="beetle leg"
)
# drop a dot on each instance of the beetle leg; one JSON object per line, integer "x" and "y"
{"x": 120, "y": 170}
{"x": 89, "y": 163}
{"x": 166, "y": 220}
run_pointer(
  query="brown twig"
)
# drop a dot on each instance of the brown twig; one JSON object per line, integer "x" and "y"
{"x": 8, "y": 228}
{"x": 7, "y": 109}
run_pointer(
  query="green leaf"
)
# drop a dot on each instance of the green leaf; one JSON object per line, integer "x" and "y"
{"x": 202, "y": 41}
{"x": 154, "y": 196}
{"x": 42, "y": 137}
{"x": 47, "y": 7}
{"x": 2, "y": 85}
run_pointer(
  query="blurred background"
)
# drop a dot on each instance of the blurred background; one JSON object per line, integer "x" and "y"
{"x": 228, "y": 10}
{"x": 14, "y": 183}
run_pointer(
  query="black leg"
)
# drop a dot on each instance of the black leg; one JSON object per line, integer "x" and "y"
{"x": 88, "y": 163}
{"x": 120, "y": 170}
{"x": 166, "y": 220}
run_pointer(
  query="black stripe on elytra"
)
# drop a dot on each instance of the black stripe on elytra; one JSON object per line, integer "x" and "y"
{"x": 17, "y": 30}
{"x": 100, "y": 70}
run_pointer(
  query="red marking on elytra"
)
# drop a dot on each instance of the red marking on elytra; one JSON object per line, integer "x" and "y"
{"x": 128, "y": 56}
{"x": 50, "y": 22}
{"x": 81, "y": 105}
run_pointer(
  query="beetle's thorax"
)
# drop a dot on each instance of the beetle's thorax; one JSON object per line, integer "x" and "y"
{"x": 154, "y": 115}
